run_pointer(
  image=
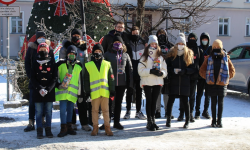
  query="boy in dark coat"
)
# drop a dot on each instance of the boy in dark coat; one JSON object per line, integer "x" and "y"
{"x": 43, "y": 79}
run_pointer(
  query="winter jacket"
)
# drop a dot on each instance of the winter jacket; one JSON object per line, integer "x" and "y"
{"x": 31, "y": 56}
{"x": 82, "y": 53}
{"x": 126, "y": 78}
{"x": 137, "y": 51}
{"x": 150, "y": 79}
{"x": 203, "y": 71}
{"x": 81, "y": 92}
{"x": 111, "y": 81}
{"x": 179, "y": 84}
{"x": 108, "y": 40}
{"x": 165, "y": 48}
{"x": 198, "y": 60}
{"x": 45, "y": 77}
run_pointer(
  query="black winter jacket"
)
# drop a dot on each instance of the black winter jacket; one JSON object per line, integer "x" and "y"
{"x": 46, "y": 77}
{"x": 179, "y": 84}
{"x": 126, "y": 78}
{"x": 108, "y": 40}
{"x": 31, "y": 56}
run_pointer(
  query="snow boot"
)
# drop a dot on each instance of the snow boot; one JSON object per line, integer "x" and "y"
{"x": 48, "y": 132}
{"x": 63, "y": 131}
{"x": 219, "y": 123}
{"x": 186, "y": 125}
{"x": 156, "y": 127}
{"x": 108, "y": 131}
{"x": 30, "y": 126}
{"x": 95, "y": 130}
{"x": 39, "y": 133}
{"x": 118, "y": 126}
{"x": 168, "y": 123}
{"x": 213, "y": 124}
{"x": 70, "y": 130}
{"x": 180, "y": 118}
{"x": 150, "y": 126}
{"x": 206, "y": 115}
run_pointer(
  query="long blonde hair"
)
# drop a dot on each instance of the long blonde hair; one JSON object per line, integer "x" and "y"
{"x": 188, "y": 54}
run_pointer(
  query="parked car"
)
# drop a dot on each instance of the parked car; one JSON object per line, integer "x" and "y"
{"x": 240, "y": 57}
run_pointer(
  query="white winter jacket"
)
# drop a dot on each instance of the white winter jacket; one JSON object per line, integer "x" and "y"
{"x": 150, "y": 79}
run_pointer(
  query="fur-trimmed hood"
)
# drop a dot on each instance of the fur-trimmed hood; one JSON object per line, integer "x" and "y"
{"x": 34, "y": 45}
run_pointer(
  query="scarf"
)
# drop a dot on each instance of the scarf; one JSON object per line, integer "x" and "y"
{"x": 180, "y": 52}
{"x": 224, "y": 70}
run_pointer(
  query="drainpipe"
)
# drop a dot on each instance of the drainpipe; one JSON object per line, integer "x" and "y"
{"x": 1, "y": 42}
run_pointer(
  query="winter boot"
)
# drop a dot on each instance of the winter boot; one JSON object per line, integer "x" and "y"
{"x": 180, "y": 118}
{"x": 192, "y": 117}
{"x": 168, "y": 123}
{"x": 213, "y": 124}
{"x": 186, "y": 125}
{"x": 118, "y": 126}
{"x": 158, "y": 114}
{"x": 39, "y": 133}
{"x": 150, "y": 126}
{"x": 156, "y": 127}
{"x": 30, "y": 126}
{"x": 70, "y": 130}
{"x": 95, "y": 130}
{"x": 108, "y": 131}
{"x": 219, "y": 123}
{"x": 48, "y": 132}
{"x": 197, "y": 115}
{"x": 63, "y": 131}
{"x": 206, "y": 114}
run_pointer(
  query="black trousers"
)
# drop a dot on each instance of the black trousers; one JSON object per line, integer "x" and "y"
{"x": 193, "y": 84}
{"x": 151, "y": 93}
{"x": 82, "y": 111}
{"x": 138, "y": 96}
{"x": 184, "y": 101}
{"x": 201, "y": 85}
{"x": 214, "y": 100}
{"x": 119, "y": 93}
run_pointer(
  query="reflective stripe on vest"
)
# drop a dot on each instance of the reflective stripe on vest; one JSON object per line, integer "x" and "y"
{"x": 71, "y": 94}
{"x": 98, "y": 79}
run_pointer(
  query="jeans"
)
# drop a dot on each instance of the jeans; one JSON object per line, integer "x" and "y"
{"x": 31, "y": 106}
{"x": 43, "y": 108}
{"x": 66, "y": 111}
{"x": 201, "y": 85}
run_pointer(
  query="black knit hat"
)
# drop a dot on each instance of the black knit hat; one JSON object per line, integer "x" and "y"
{"x": 40, "y": 33}
{"x": 76, "y": 31}
{"x": 192, "y": 35}
{"x": 71, "y": 49}
{"x": 97, "y": 46}
{"x": 118, "y": 37}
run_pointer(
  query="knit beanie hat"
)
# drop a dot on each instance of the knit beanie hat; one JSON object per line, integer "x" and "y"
{"x": 71, "y": 49}
{"x": 181, "y": 39}
{"x": 76, "y": 31}
{"x": 40, "y": 33}
{"x": 217, "y": 43}
{"x": 192, "y": 35}
{"x": 152, "y": 38}
{"x": 43, "y": 45}
{"x": 118, "y": 37}
{"x": 97, "y": 46}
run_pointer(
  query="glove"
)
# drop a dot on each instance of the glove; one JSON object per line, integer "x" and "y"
{"x": 182, "y": 72}
{"x": 62, "y": 88}
{"x": 80, "y": 100}
{"x": 153, "y": 71}
{"x": 159, "y": 74}
{"x": 43, "y": 92}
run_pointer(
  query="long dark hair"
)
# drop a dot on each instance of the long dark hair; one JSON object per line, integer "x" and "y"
{"x": 145, "y": 53}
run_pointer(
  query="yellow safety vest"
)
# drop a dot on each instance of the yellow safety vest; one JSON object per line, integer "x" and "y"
{"x": 71, "y": 93}
{"x": 98, "y": 79}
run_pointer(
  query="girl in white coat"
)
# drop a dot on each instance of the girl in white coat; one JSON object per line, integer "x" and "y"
{"x": 152, "y": 69}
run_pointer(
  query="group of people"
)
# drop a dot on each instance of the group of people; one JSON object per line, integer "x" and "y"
{"x": 124, "y": 62}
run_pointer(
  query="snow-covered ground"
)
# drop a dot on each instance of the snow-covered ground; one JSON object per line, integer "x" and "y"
{"x": 234, "y": 135}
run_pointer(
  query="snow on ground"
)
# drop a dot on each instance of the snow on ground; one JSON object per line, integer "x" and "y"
{"x": 234, "y": 134}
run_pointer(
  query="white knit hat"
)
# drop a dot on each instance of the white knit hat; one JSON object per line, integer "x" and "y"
{"x": 181, "y": 39}
{"x": 152, "y": 38}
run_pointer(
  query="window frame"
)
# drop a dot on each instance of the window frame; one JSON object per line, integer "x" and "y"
{"x": 16, "y": 20}
{"x": 248, "y": 27}
{"x": 229, "y": 21}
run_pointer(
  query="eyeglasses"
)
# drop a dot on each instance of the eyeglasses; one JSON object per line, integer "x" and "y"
{"x": 119, "y": 27}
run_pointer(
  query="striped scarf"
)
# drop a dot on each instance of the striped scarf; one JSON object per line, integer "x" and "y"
{"x": 224, "y": 71}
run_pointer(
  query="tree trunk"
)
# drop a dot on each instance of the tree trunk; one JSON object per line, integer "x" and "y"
{"x": 140, "y": 14}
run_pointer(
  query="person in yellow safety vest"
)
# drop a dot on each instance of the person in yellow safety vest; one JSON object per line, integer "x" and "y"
{"x": 100, "y": 86}
{"x": 69, "y": 94}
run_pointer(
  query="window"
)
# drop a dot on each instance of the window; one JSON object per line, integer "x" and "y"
{"x": 248, "y": 27}
{"x": 226, "y": 0}
{"x": 235, "y": 53}
{"x": 186, "y": 24}
{"x": 246, "y": 54}
{"x": 17, "y": 24}
{"x": 248, "y": 1}
{"x": 224, "y": 26}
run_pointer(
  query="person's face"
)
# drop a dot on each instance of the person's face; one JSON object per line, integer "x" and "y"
{"x": 216, "y": 47}
{"x": 135, "y": 32}
{"x": 71, "y": 54}
{"x": 205, "y": 39}
{"x": 98, "y": 51}
{"x": 161, "y": 34}
{"x": 42, "y": 49}
{"x": 181, "y": 44}
{"x": 119, "y": 27}
{"x": 41, "y": 37}
{"x": 76, "y": 35}
{"x": 192, "y": 38}
{"x": 117, "y": 42}
{"x": 153, "y": 44}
